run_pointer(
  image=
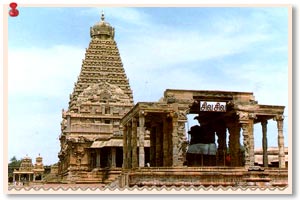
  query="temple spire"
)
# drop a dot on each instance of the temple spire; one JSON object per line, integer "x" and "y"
{"x": 102, "y": 16}
{"x": 102, "y": 64}
{"x": 102, "y": 29}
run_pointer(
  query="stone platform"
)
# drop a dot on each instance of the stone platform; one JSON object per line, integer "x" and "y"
{"x": 203, "y": 176}
{"x": 97, "y": 176}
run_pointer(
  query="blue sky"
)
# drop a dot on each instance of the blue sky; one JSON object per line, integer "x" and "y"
{"x": 234, "y": 49}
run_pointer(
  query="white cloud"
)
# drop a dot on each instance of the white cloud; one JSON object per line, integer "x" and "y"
{"x": 155, "y": 49}
{"x": 267, "y": 81}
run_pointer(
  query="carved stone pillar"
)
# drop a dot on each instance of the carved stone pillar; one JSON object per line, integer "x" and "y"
{"x": 181, "y": 118}
{"x": 113, "y": 157}
{"x": 158, "y": 145}
{"x": 98, "y": 158}
{"x": 129, "y": 145}
{"x": 251, "y": 137}
{"x": 125, "y": 148}
{"x": 246, "y": 120}
{"x": 141, "y": 139}
{"x": 246, "y": 144}
{"x": 134, "y": 143}
{"x": 234, "y": 144}
{"x": 181, "y": 144}
{"x": 152, "y": 146}
{"x": 170, "y": 142}
{"x": 281, "y": 154}
{"x": 264, "y": 142}
{"x": 175, "y": 141}
{"x": 165, "y": 143}
{"x": 222, "y": 148}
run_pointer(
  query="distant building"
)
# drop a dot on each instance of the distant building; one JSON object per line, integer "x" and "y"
{"x": 29, "y": 172}
{"x": 272, "y": 158}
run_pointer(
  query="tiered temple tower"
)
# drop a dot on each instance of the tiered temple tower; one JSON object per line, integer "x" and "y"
{"x": 38, "y": 170}
{"x": 24, "y": 173}
{"x": 90, "y": 129}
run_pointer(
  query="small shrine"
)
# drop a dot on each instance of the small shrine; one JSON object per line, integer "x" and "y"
{"x": 29, "y": 172}
{"x": 38, "y": 170}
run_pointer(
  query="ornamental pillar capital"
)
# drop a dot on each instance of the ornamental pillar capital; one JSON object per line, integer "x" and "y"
{"x": 242, "y": 115}
{"x": 278, "y": 118}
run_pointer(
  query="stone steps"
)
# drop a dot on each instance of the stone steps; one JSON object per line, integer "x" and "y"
{"x": 51, "y": 178}
{"x": 100, "y": 176}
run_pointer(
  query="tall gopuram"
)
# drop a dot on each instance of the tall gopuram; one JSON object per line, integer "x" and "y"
{"x": 91, "y": 140}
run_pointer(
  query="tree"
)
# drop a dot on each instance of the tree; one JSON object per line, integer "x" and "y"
{"x": 14, "y": 164}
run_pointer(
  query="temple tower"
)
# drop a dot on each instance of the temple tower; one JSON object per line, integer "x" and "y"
{"x": 25, "y": 173}
{"x": 90, "y": 129}
{"x": 38, "y": 170}
{"x": 102, "y": 64}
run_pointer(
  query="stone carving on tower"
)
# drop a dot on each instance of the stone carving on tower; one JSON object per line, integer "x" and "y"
{"x": 101, "y": 96}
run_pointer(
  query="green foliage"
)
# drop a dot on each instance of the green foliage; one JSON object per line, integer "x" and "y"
{"x": 14, "y": 164}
